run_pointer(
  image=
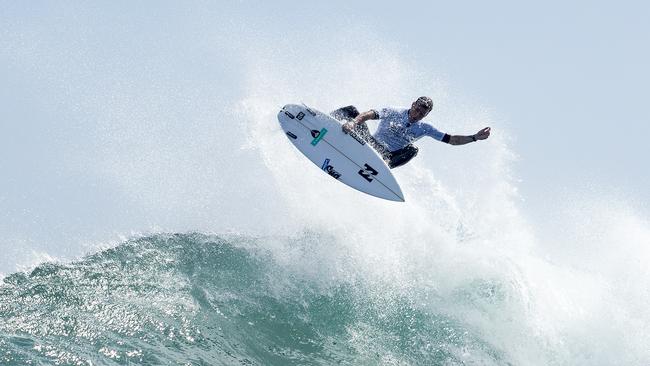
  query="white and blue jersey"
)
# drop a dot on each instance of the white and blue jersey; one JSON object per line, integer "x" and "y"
{"x": 396, "y": 131}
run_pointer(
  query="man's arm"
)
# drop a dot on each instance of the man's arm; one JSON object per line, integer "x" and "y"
{"x": 365, "y": 116}
{"x": 462, "y": 140}
{"x": 361, "y": 118}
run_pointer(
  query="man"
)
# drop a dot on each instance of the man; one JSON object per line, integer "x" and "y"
{"x": 398, "y": 129}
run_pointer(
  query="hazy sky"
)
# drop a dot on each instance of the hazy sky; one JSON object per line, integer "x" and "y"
{"x": 567, "y": 81}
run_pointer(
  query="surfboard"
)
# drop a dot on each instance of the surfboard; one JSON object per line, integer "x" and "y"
{"x": 346, "y": 157}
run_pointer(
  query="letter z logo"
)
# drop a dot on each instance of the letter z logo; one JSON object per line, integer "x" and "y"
{"x": 367, "y": 172}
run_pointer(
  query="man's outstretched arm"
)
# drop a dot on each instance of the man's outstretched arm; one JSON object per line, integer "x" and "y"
{"x": 462, "y": 140}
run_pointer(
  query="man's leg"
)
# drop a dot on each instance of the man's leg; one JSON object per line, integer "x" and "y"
{"x": 402, "y": 156}
{"x": 345, "y": 113}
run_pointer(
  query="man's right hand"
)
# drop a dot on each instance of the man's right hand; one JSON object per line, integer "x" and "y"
{"x": 348, "y": 127}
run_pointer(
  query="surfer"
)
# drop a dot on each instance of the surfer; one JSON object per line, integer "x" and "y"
{"x": 398, "y": 129}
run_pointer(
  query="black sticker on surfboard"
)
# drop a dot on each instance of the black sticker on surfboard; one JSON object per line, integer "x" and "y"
{"x": 290, "y": 134}
{"x": 358, "y": 138}
{"x": 368, "y": 172}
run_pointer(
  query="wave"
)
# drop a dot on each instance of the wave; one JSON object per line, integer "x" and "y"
{"x": 204, "y": 299}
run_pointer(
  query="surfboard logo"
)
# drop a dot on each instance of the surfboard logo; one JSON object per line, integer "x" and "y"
{"x": 300, "y": 116}
{"x": 357, "y": 137}
{"x": 330, "y": 169}
{"x": 368, "y": 172}
{"x": 318, "y": 135}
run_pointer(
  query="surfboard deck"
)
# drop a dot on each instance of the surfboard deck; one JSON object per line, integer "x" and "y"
{"x": 345, "y": 157}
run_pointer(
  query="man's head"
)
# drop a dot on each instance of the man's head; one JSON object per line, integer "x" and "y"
{"x": 420, "y": 108}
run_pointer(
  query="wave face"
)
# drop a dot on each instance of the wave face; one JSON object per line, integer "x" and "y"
{"x": 207, "y": 300}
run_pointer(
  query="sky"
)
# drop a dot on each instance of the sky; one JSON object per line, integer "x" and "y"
{"x": 566, "y": 82}
{"x": 570, "y": 79}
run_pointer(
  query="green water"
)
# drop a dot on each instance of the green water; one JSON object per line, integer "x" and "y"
{"x": 195, "y": 299}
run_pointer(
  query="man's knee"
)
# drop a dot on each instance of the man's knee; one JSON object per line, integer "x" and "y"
{"x": 345, "y": 113}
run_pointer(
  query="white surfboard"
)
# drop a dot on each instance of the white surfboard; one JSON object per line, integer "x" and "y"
{"x": 345, "y": 157}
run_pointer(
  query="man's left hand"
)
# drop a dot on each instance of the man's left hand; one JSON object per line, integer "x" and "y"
{"x": 483, "y": 134}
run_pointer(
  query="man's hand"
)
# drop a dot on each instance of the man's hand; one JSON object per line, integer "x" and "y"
{"x": 483, "y": 134}
{"x": 348, "y": 126}
{"x": 462, "y": 140}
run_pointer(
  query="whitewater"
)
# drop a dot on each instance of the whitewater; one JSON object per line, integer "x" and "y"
{"x": 157, "y": 216}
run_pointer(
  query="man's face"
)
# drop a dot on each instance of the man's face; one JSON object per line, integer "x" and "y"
{"x": 418, "y": 111}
